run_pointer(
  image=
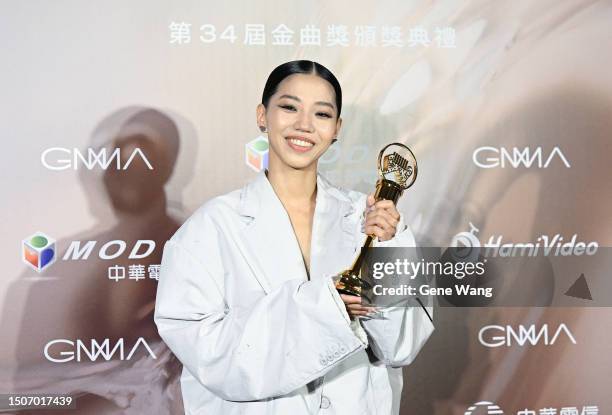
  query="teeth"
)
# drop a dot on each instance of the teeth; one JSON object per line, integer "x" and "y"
{"x": 300, "y": 143}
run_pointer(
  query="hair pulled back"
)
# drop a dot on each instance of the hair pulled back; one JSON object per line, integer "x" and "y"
{"x": 304, "y": 67}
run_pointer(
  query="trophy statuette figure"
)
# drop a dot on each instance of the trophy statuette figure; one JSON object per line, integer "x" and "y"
{"x": 397, "y": 171}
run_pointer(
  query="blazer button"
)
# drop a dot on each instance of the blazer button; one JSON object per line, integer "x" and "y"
{"x": 325, "y": 402}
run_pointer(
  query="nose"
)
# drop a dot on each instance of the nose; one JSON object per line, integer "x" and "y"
{"x": 303, "y": 122}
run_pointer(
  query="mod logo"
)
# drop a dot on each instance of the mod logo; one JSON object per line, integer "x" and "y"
{"x": 38, "y": 251}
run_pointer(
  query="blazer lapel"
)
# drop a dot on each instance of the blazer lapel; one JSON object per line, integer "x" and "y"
{"x": 335, "y": 231}
{"x": 271, "y": 246}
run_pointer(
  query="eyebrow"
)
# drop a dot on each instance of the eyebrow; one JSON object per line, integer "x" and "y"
{"x": 327, "y": 104}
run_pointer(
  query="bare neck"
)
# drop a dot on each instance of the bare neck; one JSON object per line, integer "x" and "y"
{"x": 293, "y": 186}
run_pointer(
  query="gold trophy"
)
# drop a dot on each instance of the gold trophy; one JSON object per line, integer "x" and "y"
{"x": 397, "y": 171}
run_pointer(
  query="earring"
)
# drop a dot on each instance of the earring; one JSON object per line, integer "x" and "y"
{"x": 262, "y": 129}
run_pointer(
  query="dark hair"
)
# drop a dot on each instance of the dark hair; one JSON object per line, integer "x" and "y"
{"x": 305, "y": 67}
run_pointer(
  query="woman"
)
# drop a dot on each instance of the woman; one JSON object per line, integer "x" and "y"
{"x": 245, "y": 298}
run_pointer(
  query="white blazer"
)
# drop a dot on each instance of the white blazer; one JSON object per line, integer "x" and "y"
{"x": 255, "y": 336}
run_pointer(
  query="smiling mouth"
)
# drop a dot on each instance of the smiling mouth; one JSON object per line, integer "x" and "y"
{"x": 300, "y": 142}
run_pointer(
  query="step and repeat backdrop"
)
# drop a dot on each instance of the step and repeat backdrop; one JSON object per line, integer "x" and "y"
{"x": 119, "y": 119}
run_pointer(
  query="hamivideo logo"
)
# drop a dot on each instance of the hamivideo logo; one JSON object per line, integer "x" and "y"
{"x": 498, "y": 336}
{"x": 484, "y": 407}
{"x": 256, "y": 153}
{"x": 59, "y": 158}
{"x": 38, "y": 251}
{"x": 546, "y": 245}
{"x": 490, "y": 157}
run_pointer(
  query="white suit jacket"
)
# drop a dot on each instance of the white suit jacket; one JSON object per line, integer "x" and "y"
{"x": 255, "y": 336}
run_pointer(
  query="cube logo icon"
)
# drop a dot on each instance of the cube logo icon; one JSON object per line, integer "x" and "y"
{"x": 38, "y": 251}
{"x": 256, "y": 153}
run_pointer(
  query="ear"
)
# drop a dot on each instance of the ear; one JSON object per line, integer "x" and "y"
{"x": 338, "y": 126}
{"x": 260, "y": 115}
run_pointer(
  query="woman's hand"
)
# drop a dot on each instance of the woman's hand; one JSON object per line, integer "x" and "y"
{"x": 381, "y": 218}
{"x": 354, "y": 307}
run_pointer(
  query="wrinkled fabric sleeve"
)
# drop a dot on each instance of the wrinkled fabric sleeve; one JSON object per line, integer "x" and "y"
{"x": 268, "y": 348}
{"x": 397, "y": 334}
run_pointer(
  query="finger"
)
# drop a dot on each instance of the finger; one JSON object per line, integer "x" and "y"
{"x": 387, "y": 206}
{"x": 380, "y": 221}
{"x": 377, "y": 231}
{"x": 383, "y": 234}
{"x": 384, "y": 203}
{"x": 371, "y": 201}
{"x": 361, "y": 308}
{"x": 368, "y": 311}
{"x": 350, "y": 299}
{"x": 388, "y": 218}
{"x": 358, "y": 313}
{"x": 376, "y": 220}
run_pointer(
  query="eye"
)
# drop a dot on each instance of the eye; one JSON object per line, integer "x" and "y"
{"x": 324, "y": 114}
{"x": 287, "y": 107}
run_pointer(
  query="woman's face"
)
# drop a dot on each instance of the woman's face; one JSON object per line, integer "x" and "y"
{"x": 301, "y": 119}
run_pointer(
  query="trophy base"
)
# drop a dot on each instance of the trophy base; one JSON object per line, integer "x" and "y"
{"x": 351, "y": 284}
